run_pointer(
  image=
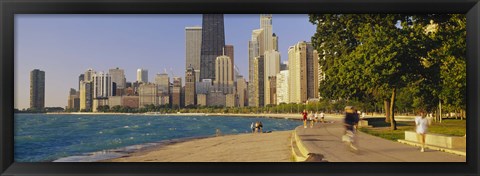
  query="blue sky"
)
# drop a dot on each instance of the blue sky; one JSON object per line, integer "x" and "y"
{"x": 64, "y": 46}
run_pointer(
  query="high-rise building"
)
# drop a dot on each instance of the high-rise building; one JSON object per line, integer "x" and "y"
{"x": 242, "y": 91}
{"x": 163, "y": 85}
{"x": 282, "y": 87}
{"x": 147, "y": 94}
{"x": 275, "y": 41}
{"x": 303, "y": 72}
{"x": 229, "y": 51}
{"x": 37, "y": 89}
{"x": 223, "y": 75}
{"x": 89, "y": 75}
{"x": 259, "y": 81}
{"x": 255, "y": 47}
{"x": 102, "y": 85}
{"x": 177, "y": 92}
{"x": 190, "y": 97}
{"x": 266, "y": 25}
{"x": 86, "y": 99}
{"x": 118, "y": 77}
{"x": 272, "y": 68}
{"x": 213, "y": 42}
{"x": 80, "y": 78}
{"x": 193, "y": 45}
{"x": 271, "y": 90}
{"x": 142, "y": 75}
{"x": 73, "y": 100}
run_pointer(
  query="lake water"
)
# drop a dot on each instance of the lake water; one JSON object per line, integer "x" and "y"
{"x": 50, "y": 137}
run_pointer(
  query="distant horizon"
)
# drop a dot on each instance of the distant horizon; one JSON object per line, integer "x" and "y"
{"x": 66, "y": 45}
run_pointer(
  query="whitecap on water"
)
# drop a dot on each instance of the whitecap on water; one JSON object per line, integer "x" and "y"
{"x": 126, "y": 127}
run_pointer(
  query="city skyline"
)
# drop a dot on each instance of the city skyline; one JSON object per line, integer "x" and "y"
{"x": 35, "y": 43}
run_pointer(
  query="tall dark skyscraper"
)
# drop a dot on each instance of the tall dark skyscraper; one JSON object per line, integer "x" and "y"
{"x": 37, "y": 89}
{"x": 213, "y": 42}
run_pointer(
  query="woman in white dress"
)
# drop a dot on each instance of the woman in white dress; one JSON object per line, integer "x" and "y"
{"x": 421, "y": 123}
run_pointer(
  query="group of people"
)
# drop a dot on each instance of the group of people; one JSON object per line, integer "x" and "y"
{"x": 313, "y": 118}
{"x": 352, "y": 118}
{"x": 257, "y": 127}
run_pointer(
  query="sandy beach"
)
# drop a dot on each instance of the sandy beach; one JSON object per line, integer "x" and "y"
{"x": 265, "y": 147}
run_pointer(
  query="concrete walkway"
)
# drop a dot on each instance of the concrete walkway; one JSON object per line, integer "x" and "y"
{"x": 325, "y": 139}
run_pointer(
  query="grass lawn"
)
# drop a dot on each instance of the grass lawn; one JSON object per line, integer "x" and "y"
{"x": 382, "y": 129}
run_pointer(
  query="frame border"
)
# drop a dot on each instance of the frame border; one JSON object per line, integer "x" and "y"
{"x": 8, "y": 9}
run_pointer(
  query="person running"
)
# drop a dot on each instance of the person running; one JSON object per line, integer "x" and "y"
{"x": 315, "y": 117}
{"x": 350, "y": 122}
{"x": 304, "y": 114}
{"x": 421, "y": 123}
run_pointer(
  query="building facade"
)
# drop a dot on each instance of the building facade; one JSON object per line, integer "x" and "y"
{"x": 102, "y": 85}
{"x": 37, "y": 89}
{"x": 213, "y": 43}
{"x": 223, "y": 75}
{"x": 118, "y": 77}
{"x": 259, "y": 82}
{"x": 142, "y": 75}
{"x": 190, "y": 96}
{"x": 177, "y": 92}
{"x": 86, "y": 98}
{"x": 282, "y": 87}
{"x": 242, "y": 91}
{"x": 147, "y": 94}
{"x": 193, "y": 45}
{"x": 303, "y": 72}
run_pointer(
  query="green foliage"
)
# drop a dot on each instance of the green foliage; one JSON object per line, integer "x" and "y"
{"x": 370, "y": 58}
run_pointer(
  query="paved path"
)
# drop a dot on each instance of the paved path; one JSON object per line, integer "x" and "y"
{"x": 325, "y": 139}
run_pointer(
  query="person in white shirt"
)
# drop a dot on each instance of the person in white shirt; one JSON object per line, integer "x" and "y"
{"x": 421, "y": 123}
{"x": 322, "y": 117}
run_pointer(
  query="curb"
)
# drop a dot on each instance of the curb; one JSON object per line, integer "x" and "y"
{"x": 461, "y": 153}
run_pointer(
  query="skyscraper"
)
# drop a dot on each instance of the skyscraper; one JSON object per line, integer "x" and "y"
{"x": 177, "y": 92}
{"x": 254, "y": 46}
{"x": 80, "y": 78}
{"x": 223, "y": 74}
{"x": 259, "y": 82}
{"x": 242, "y": 91}
{"x": 142, "y": 75}
{"x": 190, "y": 98}
{"x": 275, "y": 41}
{"x": 193, "y": 45}
{"x": 282, "y": 87}
{"x": 303, "y": 72}
{"x": 147, "y": 94}
{"x": 266, "y": 25}
{"x": 118, "y": 77}
{"x": 88, "y": 75}
{"x": 213, "y": 43}
{"x": 271, "y": 69}
{"x": 229, "y": 51}
{"x": 37, "y": 89}
{"x": 86, "y": 96}
{"x": 102, "y": 85}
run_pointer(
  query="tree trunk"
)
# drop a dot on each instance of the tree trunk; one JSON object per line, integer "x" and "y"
{"x": 386, "y": 104}
{"x": 393, "y": 123}
{"x": 440, "y": 111}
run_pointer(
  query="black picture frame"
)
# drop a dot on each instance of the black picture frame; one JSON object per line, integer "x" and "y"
{"x": 8, "y": 9}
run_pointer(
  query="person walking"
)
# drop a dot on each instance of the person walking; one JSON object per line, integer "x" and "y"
{"x": 304, "y": 114}
{"x": 252, "y": 127}
{"x": 421, "y": 123}
{"x": 322, "y": 117}
{"x": 310, "y": 118}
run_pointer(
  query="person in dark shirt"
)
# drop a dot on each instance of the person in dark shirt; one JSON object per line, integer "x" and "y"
{"x": 350, "y": 123}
